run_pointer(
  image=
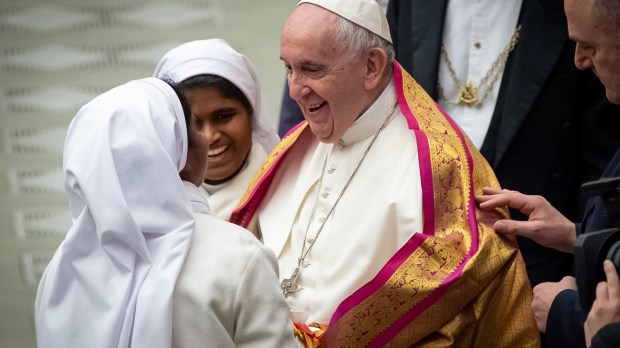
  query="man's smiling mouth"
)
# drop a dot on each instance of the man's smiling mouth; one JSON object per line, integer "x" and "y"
{"x": 315, "y": 107}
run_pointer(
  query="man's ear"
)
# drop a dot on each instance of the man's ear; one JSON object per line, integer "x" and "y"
{"x": 376, "y": 63}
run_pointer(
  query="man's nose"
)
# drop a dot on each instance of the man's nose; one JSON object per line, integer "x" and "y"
{"x": 297, "y": 86}
{"x": 582, "y": 59}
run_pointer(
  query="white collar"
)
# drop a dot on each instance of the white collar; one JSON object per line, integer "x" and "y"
{"x": 197, "y": 197}
{"x": 369, "y": 123}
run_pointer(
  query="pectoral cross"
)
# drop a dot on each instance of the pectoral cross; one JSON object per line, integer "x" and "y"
{"x": 289, "y": 286}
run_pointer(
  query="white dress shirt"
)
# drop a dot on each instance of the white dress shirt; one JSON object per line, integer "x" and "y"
{"x": 475, "y": 33}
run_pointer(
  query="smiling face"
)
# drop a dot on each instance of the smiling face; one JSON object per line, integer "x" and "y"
{"x": 328, "y": 86}
{"x": 597, "y": 47}
{"x": 227, "y": 125}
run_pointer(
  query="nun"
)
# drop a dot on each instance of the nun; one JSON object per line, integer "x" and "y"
{"x": 144, "y": 264}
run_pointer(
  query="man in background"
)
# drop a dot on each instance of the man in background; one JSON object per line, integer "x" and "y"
{"x": 503, "y": 70}
{"x": 595, "y": 27}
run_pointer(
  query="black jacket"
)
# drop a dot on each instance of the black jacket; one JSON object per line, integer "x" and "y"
{"x": 552, "y": 128}
{"x": 566, "y": 318}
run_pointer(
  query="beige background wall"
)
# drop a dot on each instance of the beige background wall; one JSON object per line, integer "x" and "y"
{"x": 57, "y": 55}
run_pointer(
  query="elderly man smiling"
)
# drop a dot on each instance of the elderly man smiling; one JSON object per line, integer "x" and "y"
{"x": 369, "y": 205}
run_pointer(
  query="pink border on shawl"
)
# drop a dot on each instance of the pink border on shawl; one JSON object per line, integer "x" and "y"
{"x": 417, "y": 239}
{"x": 292, "y": 130}
{"x": 252, "y": 202}
{"x": 424, "y": 157}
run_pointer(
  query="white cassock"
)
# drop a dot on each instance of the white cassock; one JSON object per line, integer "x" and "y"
{"x": 378, "y": 213}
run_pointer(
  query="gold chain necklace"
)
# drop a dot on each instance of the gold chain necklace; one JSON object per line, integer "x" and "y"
{"x": 290, "y": 286}
{"x": 468, "y": 93}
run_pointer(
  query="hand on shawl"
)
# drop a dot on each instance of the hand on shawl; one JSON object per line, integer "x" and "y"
{"x": 546, "y": 226}
{"x": 606, "y": 308}
{"x": 544, "y": 294}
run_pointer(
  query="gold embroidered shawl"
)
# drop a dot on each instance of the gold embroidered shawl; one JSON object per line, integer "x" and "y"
{"x": 456, "y": 284}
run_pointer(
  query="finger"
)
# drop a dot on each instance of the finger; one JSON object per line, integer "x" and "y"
{"x": 490, "y": 190}
{"x": 587, "y": 328}
{"x": 541, "y": 322}
{"x": 493, "y": 201}
{"x": 539, "y": 314}
{"x": 488, "y": 218}
{"x": 517, "y": 228}
{"x": 513, "y": 199}
{"x": 612, "y": 277}
{"x": 488, "y": 193}
{"x": 602, "y": 294}
{"x": 482, "y": 198}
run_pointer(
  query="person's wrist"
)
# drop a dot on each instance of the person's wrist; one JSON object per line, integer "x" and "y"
{"x": 570, "y": 236}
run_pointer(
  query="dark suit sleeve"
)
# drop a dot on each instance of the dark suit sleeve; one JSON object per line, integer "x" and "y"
{"x": 599, "y": 129}
{"x": 399, "y": 18}
{"x": 565, "y": 322}
{"x": 607, "y": 337}
{"x": 392, "y": 17}
{"x": 579, "y": 228}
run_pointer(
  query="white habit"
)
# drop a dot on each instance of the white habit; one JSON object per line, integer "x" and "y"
{"x": 227, "y": 294}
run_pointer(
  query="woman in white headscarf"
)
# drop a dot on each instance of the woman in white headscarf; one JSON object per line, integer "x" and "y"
{"x": 124, "y": 275}
{"x": 225, "y": 94}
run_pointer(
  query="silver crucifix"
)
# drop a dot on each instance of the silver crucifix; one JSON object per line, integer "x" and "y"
{"x": 289, "y": 286}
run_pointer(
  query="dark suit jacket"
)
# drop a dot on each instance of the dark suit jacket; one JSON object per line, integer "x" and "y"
{"x": 552, "y": 128}
{"x": 566, "y": 318}
{"x": 607, "y": 337}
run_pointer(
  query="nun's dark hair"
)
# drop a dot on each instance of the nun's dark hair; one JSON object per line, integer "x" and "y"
{"x": 226, "y": 88}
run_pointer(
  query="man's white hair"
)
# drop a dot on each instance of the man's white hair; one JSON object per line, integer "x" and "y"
{"x": 356, "y": 40}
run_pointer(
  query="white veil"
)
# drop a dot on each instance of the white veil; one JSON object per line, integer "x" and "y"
{"x": 111, "y": 281}
{"x": 216, "y": 57}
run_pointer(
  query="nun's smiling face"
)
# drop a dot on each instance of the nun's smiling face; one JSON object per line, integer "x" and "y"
{"x": 227, "y": 124}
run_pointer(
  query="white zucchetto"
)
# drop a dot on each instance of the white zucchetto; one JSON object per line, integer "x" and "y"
{"x": 365, "y": 13}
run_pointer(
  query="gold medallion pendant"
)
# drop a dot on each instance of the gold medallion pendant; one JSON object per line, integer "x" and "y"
{"x": 468, "y": 94}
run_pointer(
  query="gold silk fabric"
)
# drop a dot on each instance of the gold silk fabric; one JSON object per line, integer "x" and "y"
{"x": 456, "y": 284}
